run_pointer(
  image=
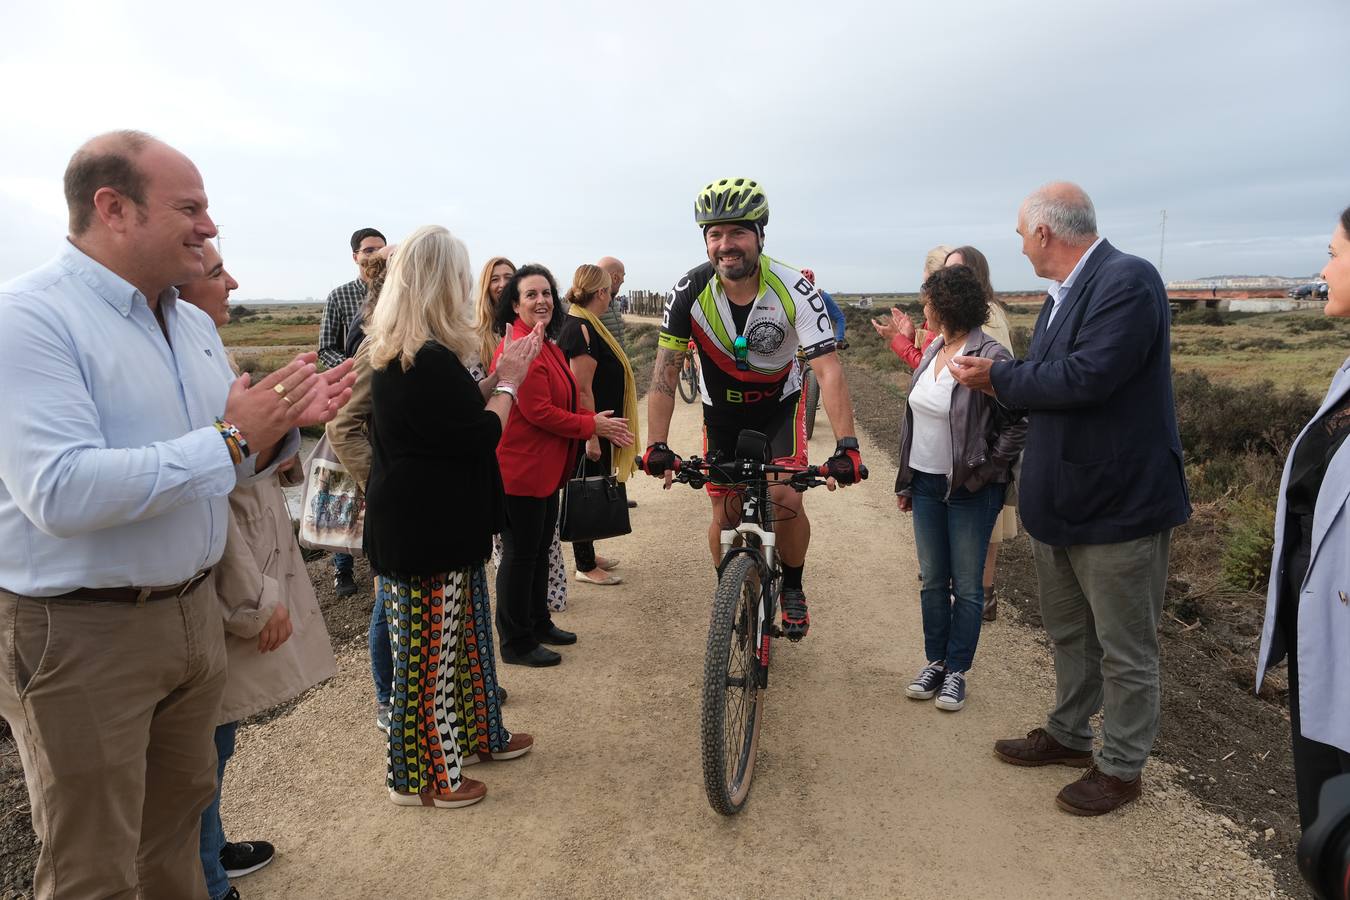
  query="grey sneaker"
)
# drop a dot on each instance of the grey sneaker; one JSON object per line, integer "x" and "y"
{"x": 382, "y": 713}
{"x": 953, "y": 694}
{"x": 927, "y": 682}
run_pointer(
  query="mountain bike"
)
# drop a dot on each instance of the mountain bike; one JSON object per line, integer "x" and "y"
{"x": 689, "y": 375}
{"x": 744, "y": 615}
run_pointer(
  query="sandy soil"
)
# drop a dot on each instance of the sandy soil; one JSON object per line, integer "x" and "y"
{"x": 858, "y": 791}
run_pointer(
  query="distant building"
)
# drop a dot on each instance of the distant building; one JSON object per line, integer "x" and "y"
{"x": 1241, "y": 283}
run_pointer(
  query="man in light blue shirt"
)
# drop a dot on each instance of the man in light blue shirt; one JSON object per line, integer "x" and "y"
{"x": 124, "y": 432}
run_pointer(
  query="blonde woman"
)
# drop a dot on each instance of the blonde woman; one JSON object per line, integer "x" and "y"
{"x": 605, "y": 383}
{"x": 433, "y": 441}
{"x": 492, "y": 280}
{"x": 905, "y": 341}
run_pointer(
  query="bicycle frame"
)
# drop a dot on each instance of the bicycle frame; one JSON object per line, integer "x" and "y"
{"x": 754, "y": 535}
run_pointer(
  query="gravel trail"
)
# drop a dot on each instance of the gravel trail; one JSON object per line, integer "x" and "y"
{"x": 858, "y": 791}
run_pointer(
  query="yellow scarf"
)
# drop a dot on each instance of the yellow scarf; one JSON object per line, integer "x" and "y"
{"x": 625, "y": 458}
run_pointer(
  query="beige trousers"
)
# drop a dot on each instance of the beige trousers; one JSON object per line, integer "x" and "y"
{"x": 113, "y": 707}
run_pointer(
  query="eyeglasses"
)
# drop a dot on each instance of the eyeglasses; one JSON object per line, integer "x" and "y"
{"x": 742, "y": 351}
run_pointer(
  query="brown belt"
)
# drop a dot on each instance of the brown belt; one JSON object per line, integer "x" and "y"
{"x": 134, "y": 595}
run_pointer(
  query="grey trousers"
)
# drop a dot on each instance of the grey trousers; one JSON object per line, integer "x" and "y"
{"x": 1101, "y": 604}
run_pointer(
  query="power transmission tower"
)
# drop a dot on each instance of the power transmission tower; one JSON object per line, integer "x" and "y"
{"x": 1162, "y": 245}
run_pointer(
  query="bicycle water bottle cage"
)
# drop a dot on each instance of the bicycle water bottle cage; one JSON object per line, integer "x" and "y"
{"x": 742, "y": 351}
{"x": 752, "y": 445}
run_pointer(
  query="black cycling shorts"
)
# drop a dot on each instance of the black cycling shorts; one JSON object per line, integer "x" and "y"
{"x": 786, "y": 429}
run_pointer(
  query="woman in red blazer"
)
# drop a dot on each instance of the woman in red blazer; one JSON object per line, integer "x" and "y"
{"x": 537, "y": 453}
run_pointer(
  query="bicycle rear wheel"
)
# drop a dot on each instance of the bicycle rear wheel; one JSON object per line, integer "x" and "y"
{"x": 688, "y": 379}
{"x": 733, "y": 704}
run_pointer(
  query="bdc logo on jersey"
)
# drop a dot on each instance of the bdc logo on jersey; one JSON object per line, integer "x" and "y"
{"x": 735, "y": 396}
{"x": 765, "y": 338}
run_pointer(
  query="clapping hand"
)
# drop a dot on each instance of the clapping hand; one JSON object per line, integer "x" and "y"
{"x": 898, "y": 324}
{"x": 514, "y": 363}
{"x": 293, "y": 396}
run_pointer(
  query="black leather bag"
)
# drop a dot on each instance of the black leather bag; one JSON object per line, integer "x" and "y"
{"x": 594, "y": 507}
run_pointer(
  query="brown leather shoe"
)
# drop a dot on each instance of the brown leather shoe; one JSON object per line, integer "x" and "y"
{"x": 1097, "y": 793}
{"x": 1038, "y": 748}
{"x": 520, "y": 744}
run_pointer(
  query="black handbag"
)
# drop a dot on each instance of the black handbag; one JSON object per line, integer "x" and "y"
{"x": 594, "y": 507}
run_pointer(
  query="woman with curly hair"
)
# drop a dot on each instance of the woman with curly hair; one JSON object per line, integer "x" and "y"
{"x": 997, "y": 327}
{"x": 957, "y": 447}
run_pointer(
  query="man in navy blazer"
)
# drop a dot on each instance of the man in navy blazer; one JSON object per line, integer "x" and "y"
{"x": 1102, "y": 488}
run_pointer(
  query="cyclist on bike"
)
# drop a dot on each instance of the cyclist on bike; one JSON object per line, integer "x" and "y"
{"x": 833, "y": 311}
{"x": 748, "y": 314}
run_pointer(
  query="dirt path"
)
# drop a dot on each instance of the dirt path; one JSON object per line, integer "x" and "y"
{"x": 857, "y": 792}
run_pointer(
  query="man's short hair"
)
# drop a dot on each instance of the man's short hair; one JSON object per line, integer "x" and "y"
{"x": 362, "y": 234}
{"x": 1069, "y": 214}
{"x": 108, "y": 161}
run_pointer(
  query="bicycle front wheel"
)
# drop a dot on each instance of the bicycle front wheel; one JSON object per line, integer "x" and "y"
{"x": 688, "y": 380}
{"x": 733, "y": 704}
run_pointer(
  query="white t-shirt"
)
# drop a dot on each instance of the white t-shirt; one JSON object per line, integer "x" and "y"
{"x": 930, "y": 402}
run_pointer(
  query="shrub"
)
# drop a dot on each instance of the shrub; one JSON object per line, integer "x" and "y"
{"x": 1250, "y": 539}
{"x": 1219, "y": 419}
{"x": 241, "y": 312}
{"x": 1199, "y": 317}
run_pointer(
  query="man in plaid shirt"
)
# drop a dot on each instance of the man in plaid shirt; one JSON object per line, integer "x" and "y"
{"x": 345, "y": 300}
{"x": 342, "y": 304}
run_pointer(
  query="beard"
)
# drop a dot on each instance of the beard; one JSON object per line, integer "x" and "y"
{"x": 736, "y": 268}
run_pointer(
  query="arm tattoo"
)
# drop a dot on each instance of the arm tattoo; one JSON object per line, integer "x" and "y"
{"x": 666, "y": 374}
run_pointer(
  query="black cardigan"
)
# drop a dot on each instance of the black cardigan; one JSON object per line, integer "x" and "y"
{"x": 435, "y": 497}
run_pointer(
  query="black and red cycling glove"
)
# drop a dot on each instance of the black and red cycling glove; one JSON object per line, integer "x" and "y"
{"x": 659, "y": 459}
{"x": 846, "y": 465}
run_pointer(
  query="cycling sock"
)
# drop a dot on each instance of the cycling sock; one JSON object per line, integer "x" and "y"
{"x": 792, "y": 577}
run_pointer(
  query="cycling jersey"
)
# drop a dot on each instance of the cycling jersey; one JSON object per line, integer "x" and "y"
{"x": 787, "y": 313}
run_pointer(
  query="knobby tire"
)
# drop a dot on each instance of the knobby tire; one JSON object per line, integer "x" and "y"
{"x": 688, "y": 380}
{"x": 733, "y": 703}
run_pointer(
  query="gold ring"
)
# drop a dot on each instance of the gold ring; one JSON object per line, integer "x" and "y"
{"x": 281, "y": 391}
{"x": 288, "y": 400}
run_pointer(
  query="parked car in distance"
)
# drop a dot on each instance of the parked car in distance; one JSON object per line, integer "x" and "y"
{"x": 1315, "y": 290}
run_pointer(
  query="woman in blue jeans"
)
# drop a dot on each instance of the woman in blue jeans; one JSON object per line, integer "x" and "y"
{"x": 957, "y": 449}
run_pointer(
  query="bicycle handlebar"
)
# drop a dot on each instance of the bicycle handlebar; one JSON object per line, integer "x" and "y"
{"x": 694, "y": 471}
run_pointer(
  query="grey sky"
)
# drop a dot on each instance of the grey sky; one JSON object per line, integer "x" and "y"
{"x": 559, "y": 133}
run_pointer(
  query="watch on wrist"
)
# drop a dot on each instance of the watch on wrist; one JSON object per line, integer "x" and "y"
{"x": 848, "y": 443}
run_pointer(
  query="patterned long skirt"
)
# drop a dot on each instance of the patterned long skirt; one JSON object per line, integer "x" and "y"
{"x": 476, "y": 702}
{"x": 425, "y": 617}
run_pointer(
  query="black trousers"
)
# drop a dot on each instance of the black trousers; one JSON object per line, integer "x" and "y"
{"x": 584, "y": 551}
{"x": 522, "y": 576}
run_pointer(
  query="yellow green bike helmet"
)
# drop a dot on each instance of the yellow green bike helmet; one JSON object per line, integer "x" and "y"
{"x": 732, "y": 200}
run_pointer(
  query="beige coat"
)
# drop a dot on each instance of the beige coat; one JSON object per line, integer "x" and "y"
{"x": 262, "y": 567}
{"x": 349, "y": 432}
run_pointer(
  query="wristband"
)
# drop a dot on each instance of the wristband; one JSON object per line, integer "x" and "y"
{"x": 507, "y": 388}
{"x": 234, "y": 441}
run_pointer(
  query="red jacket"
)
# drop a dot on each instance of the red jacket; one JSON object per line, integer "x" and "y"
{"x": 538, "y": 450}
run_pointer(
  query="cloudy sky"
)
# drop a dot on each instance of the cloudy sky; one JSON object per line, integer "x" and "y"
{"x": 562, "y": 132}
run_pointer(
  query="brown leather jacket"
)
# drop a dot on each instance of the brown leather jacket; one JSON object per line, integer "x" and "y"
{"x": 987, "y": 437}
